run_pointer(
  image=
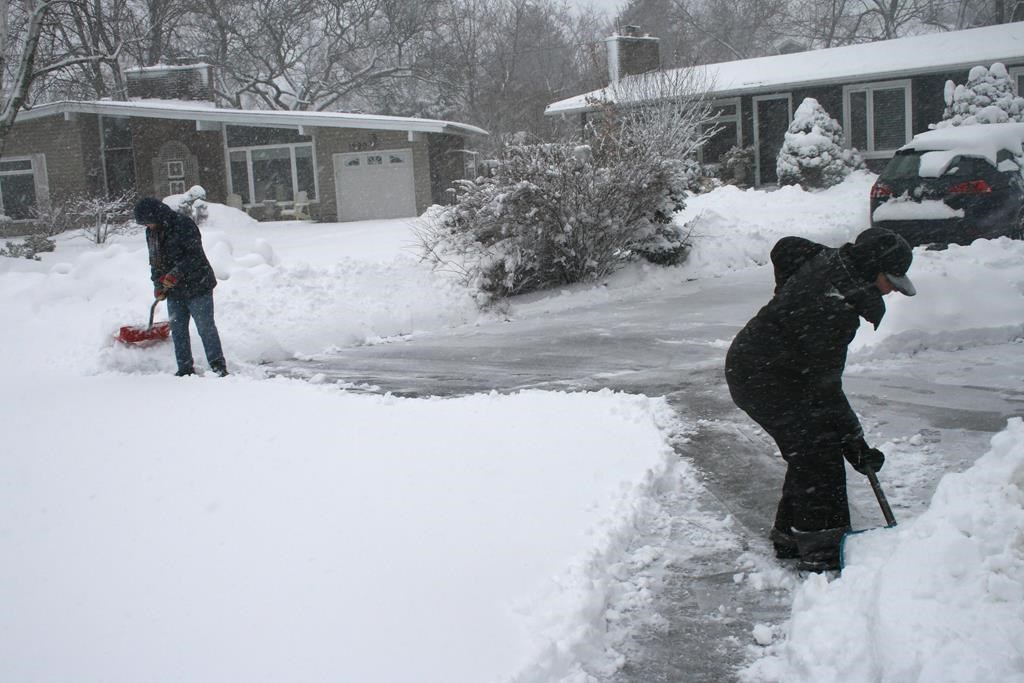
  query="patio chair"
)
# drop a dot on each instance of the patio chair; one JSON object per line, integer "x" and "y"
{"x": 299, "y": 209}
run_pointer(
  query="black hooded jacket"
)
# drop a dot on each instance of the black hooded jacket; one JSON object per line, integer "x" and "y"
{"x": 793, "y": 352}
{"x": 176, "y": 248}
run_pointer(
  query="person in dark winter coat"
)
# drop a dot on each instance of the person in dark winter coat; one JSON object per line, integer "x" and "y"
{"x": 182, "y": 275}
{"x": 785, "y": 367}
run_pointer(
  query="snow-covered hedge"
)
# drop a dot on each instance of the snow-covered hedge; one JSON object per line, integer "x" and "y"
{"x": 814, "y": 154}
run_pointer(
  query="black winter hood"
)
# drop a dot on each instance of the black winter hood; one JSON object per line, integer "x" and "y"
{"x": 152, "y": 210}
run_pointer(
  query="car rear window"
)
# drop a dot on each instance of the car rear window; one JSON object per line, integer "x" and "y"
{"x": 908, "y": 165}
{"x": 903, "y": 165}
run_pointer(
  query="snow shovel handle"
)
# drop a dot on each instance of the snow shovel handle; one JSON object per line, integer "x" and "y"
{"x": 152, "y": 312}
{"x": 880, "y": 495}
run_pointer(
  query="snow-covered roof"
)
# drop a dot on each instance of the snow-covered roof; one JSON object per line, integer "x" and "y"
{"x": 899, "y": 58}
{"x": 206, "y": 111}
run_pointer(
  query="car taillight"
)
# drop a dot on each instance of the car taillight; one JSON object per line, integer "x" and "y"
{"x": 878, "y": 191}
{"x": 970, "y": 187}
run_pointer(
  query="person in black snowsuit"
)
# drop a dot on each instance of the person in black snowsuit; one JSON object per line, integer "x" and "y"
{"x": 183, "y": 276}
{"x": 785, "y": 367}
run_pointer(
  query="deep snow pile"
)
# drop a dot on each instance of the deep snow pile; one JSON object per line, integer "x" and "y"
{"x": 937, "y": 599}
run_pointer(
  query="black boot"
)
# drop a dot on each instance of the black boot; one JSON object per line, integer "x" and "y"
{"x": 185, "y": 372}
{"x": 785, "y": 544}
{"x": 819, "y": 550}
{"x": 220, "y": 368}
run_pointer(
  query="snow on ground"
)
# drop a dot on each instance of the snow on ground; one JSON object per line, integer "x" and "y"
{"x": 248, "y": 529}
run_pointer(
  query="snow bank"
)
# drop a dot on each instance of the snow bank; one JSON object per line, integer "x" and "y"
{"x": 935, "y": 600}
{"x": 219, "y": 530}
{"x": 284, "y": 290}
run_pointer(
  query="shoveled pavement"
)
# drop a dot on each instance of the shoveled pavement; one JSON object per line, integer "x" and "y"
{"x": 673, "y": 345}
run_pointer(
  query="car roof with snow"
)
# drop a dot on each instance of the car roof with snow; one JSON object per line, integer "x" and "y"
{"x": 984, "y": 141}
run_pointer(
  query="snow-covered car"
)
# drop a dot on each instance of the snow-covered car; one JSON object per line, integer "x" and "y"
{"x": 954, "y": 185}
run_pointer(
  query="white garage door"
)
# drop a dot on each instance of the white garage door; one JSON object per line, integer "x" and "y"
{"x": 377, "y": 184}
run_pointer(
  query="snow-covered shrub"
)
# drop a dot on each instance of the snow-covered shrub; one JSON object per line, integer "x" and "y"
{"x": 193, "y": 204}
{"x": 556, "y": 214}
{"x": 549, "y": 216}
{"x": 738, "y": 165}
{"x": 814, "y": 154}
{"x": 987, "y": 97}
{"x": 30, "y": 248}
{"x": 98, "y": 217}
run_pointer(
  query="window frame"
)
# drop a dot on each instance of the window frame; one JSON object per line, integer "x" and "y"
{"x": 104, "y": 148}
{"x": 31, "y": 172}
{"x": 291, "y": 147}
{"x": 736, "y": 118}
{"x": 1017, "y": 79}
{"x": 869, "y": 89}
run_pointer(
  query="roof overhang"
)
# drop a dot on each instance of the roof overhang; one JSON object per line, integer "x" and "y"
{"x": 208, "y": 116}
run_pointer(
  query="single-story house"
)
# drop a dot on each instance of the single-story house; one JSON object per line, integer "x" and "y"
{"x": 882, "y": 93}
{"x": 169, "y": 136}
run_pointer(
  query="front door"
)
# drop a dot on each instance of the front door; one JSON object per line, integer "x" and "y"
{"x": 772, "y": 116}
{"x": 377, "y": 184}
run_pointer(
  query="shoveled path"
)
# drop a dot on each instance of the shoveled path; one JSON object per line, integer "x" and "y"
{"x": 671, "y": 345}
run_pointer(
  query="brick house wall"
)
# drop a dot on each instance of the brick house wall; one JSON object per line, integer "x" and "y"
{"x": 71, "y": 149}
{"x": 157, "y": 141}
{"x": 447, "y": 164}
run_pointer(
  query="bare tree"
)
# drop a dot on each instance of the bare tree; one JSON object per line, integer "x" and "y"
{"x": 27, "y": 55}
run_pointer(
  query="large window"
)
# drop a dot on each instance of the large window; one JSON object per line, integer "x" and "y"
{"x": 17, "y": 188}
{"x": 270, "y": 164}
{"x": 726, "y": 123}
{"x": 118, "y": 158}
{"x": 1017, "y": 79}
{"x": 877, "y": 117}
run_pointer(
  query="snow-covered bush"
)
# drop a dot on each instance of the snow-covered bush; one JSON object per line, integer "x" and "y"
{"x": 550, "y": 215}
{"x": 98, "y": 217}
{"x": 30, "y": 248}
{"x": 738, "y": 164}
{"x": 987, "y": 97}
{"x": 555, "y": 214}
{"x": 814, "y": 154}
{"x": 193, "y": 204}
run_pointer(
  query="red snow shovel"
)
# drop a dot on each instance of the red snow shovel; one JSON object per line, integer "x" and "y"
{"x": 136, "y": 335}
{"x": 890, "y": 519}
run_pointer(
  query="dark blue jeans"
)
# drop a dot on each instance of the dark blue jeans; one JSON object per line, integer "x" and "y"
{"x": 200, "y": 309}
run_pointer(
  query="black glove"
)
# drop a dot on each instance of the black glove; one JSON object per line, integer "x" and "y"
{"x": 862, "y": 456}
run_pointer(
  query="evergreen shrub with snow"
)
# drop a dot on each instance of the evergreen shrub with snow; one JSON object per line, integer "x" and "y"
{"x": 814, "y": 154}
{"x": 738, "y": 164}
{"x": 987, "y": 97}
{"x": 29, "y": 248}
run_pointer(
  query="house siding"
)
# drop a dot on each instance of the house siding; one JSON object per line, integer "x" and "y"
{"x": 447, "y": 164}
{"x": 71, "y": 148}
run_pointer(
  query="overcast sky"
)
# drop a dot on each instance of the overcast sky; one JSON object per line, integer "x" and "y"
{"x": 610, "y": 7}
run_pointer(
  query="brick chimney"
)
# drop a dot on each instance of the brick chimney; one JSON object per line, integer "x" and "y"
{"x": 630, "y": 53}
{"x": 167, "y": 82}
